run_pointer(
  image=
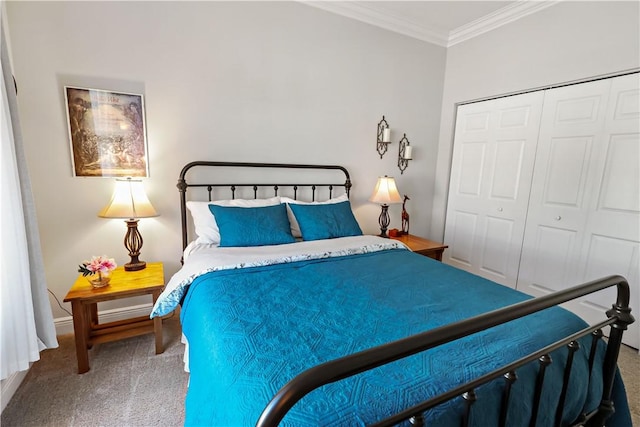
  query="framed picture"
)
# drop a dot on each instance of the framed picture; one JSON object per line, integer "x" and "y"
{"x": 107, "y": 133}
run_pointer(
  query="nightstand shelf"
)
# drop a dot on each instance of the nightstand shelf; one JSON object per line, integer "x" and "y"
{"x": 84, "y": 305}
{"x": 422, "y": 246}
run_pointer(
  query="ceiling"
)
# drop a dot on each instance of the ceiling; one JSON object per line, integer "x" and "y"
{"x": 441, "y": 22}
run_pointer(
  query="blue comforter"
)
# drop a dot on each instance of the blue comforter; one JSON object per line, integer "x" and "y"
{"x": 252, "y": 330}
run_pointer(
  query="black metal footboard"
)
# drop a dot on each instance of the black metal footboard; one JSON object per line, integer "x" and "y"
{"x": 619, "y": 317}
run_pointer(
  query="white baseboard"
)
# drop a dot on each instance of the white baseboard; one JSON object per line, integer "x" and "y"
{"x": 64, "y": 325}
{"x": 10, "y": 385}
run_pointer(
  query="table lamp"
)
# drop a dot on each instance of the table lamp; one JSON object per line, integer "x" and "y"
{"x": 385, "y": 193}
{"x": 130, "y": 202}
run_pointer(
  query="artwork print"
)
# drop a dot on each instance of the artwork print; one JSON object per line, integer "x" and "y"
{"x": 107, "y": 133}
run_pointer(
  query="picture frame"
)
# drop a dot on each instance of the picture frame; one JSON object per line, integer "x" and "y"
{"x": 107, "y": 133}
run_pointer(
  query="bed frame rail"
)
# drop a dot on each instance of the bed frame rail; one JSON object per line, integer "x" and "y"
{"x": 183, "y": 185}
{"x": 619, "y": 317}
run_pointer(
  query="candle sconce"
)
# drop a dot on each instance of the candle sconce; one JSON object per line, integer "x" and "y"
{"x": 383, "y": 138}
{"x": 404, "y": 153}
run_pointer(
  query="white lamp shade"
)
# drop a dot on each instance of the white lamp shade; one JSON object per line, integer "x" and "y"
{"x": 129, "y": 201}
{"x": 386, "y": 191}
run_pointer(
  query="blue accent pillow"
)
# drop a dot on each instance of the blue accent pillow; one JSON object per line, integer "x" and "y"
{"x": 260, "y": 226}
{"x": 326, "y": 221}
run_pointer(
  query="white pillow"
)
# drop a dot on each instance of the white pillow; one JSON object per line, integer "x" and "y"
{"x": 205, "y": 223}
{"x": 295, "y": 227}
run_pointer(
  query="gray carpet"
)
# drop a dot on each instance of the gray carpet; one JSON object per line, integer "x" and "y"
{"x": 629, "y": 364}
{"x": 129, "y": 385}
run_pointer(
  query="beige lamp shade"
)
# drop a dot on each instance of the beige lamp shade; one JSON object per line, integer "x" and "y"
{"x": 129, "y": 201}
{"x": 386, "y": 191}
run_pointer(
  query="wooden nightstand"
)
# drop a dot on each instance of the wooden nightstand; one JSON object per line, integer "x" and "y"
{"x": 84, "y": 305}
{"x": 423, "y": 246}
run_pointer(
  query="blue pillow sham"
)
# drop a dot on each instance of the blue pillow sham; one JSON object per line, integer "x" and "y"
{"x": 259, "y": 226}
{"x": 326, "y": 221}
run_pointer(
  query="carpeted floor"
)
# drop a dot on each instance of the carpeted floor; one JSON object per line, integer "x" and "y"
{"x": 629, "y": 364}
{"x": 129, "y": 385}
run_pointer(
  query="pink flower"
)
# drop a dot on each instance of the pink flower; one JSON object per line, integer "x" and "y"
{"x": 108, "y": 264}
{"x": 100, "y": 263}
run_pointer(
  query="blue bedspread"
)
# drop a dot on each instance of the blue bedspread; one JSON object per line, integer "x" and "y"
{"x": 250, "y": 331}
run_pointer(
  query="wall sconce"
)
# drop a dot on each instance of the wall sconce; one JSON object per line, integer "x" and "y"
{"x": 130, "y": 202}
{"x": 405, "y": 152}
{"x": 384, "y": 137}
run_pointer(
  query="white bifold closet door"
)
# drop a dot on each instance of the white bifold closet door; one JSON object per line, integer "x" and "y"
{"x": 563, "y": 210}
{"x": 584, "y": 211}
{"x": 493, "y": 158}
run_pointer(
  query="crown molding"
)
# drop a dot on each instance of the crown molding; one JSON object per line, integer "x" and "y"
{"x": 378, "y": 18}
{"x": 500, "y": 17}
{"x": 388, "y": 21}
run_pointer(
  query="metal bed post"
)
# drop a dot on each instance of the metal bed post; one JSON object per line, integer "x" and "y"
{"x": 621, "y": 311}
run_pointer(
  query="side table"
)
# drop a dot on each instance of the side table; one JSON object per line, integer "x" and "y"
{"x": 84, "y": 305}
{"x": 422, "y": 246}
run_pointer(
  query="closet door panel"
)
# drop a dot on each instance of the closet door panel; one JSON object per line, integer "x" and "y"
{"x": 495, "y": 257}
{"x": 572, "y": 124}
{"x": 463, "y": 225}
{"x": 567, "y": 162}
{"x": 506, "y": 178}
{"x": 606, "y": 256}
{"x": 492, "y": 164}
{"x": 584, "y": 210}
{"x": 471, "y": 168}
{"x": 612, "y": 232}
{"x": 549, "y": 259}
{"x": 619, "y": 190}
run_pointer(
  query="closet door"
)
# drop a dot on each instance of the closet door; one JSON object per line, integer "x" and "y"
{"x": 572, "y": 124}
{"x": 493, "y": 157}
{"x": 583, "y": 220}
{"x": 612, "y": 239}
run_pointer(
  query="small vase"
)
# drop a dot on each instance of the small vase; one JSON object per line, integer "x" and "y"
{"x": 100, "y": 279}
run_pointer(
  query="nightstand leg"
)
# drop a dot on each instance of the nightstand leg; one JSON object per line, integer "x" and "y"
{"x": 157, "y": 326}
{"x": 94, "y": 313}
{"x": 91, "y": 316}
{"x": 81, "y": 331}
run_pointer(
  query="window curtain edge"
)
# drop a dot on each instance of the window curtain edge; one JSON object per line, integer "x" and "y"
{"x": 45, "y": 327}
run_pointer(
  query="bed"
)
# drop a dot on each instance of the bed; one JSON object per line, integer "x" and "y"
{"x": 293, "y": 317}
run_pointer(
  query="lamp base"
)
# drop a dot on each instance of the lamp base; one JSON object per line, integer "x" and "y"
{"x": 135, "y": 266}
{"x": 384, "y": 220}
{"x": 133, "y": 243}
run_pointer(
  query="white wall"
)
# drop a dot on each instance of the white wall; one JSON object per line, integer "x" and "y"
{"x": 238, "y": 81}
{"x": 565, "y": 42}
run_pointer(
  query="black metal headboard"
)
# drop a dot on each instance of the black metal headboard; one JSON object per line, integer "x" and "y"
{"x": 183, "y": 185}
